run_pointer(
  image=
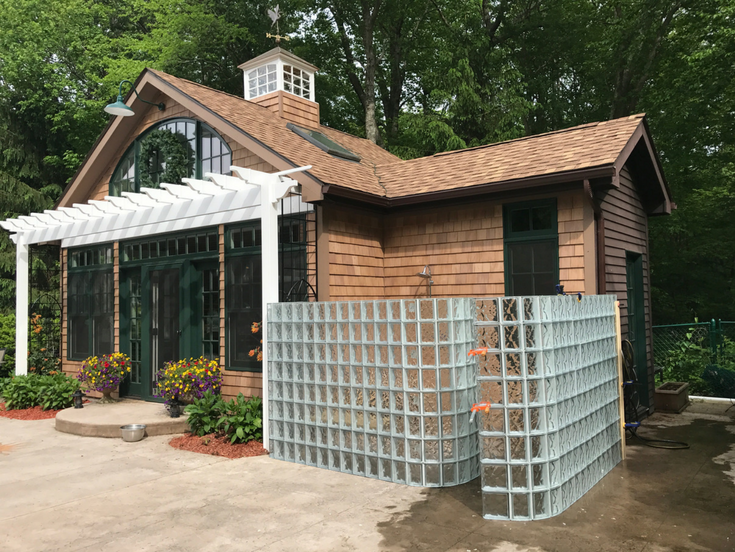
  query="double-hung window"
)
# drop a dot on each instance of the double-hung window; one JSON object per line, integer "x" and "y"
{"x": 531, "y": 247}
{"x": 90, "y": 302}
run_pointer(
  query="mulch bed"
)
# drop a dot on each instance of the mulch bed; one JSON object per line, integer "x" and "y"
{"x": 35, "y": 413}
{"x": 217, "y": 446}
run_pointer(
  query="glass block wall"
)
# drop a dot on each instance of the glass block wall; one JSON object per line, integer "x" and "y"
{"x": 553, "y": 430}
{"x": 381, "y": 389}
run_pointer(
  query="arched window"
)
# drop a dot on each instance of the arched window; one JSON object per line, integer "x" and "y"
{"x": 206, "y": 151}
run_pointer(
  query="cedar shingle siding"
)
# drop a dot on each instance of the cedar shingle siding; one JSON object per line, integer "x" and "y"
{"x": 626, "y": 229}
{"x": 380, "y": 221}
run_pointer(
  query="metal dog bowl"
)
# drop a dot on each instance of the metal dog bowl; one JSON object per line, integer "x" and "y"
{"x": 132, "y": 432}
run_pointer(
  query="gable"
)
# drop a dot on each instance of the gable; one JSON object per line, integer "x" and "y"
{"x": 92, "y": 179}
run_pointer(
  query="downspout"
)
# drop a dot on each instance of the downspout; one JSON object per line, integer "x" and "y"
{"x": 599, "y": 238}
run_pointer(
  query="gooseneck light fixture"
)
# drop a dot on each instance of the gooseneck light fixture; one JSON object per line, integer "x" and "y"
{"x": 426, "y": 274}
{"x": 120, "y": 109}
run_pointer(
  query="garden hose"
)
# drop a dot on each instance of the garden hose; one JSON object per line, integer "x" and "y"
{"x": 632, "y": 402}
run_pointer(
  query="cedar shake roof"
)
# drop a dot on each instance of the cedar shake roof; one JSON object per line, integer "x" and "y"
{"x": 387, "y": 177}
{"x": 582, "y": 147}
{"x": 270, "y": 129}
{"x": 586, "y": 152}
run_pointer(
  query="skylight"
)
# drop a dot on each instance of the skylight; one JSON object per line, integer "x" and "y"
{"x": 323, "y": 143}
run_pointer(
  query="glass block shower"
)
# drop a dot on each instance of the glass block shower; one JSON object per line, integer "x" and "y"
{"x": 383, "y": 389}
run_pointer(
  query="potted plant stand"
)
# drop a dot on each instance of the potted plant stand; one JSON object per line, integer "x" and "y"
{"x": 672, "y": 396}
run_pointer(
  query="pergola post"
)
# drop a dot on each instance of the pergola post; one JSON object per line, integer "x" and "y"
{"x": 273, "y": 188}
{"x": 269, "y": 260}
{"x": 21, "y": 308}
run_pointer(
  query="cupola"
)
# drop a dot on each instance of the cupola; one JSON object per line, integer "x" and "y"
{"x": 283, "y": 83}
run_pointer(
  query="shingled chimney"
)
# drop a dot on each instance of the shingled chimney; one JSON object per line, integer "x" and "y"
{"x": 283, "y": 83}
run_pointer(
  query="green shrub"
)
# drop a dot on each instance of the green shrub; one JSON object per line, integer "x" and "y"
{"x": 22, "y": 392}
{"x": 49, "y": 392}
{"x": 240, "y": 420}
{"x": 206, "y": 414}
{"x": 55, "y": 391}
{"x": 3, "y": 383}
{"x": 7, "y": 342}
{"x": 243, "y": 420}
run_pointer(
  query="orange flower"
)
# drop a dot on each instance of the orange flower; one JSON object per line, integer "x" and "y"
{"x": 252, "y": 353}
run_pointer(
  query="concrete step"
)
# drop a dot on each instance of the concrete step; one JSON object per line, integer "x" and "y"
{"x": 104, "y": 420}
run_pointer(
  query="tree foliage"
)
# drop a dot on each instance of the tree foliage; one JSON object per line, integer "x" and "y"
{"x": 417, "y": 77}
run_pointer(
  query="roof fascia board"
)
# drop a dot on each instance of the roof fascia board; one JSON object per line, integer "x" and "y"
{"x": 100, "y": 153}
{"x": 508, "y": 185}
{"x": 312, "y": 187}
{"x": 642, "y": 132}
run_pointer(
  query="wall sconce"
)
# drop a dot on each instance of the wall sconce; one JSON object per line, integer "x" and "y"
{"x": 426, "y": 274}
{"x": 120, "y": 109}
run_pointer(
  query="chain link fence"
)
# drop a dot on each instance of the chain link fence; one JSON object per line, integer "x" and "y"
{"x": 701, "y": 354}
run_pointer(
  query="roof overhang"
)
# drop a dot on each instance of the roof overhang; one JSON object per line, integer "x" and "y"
{"x": 116, "y": 137}
{"x": 605, "y": 172}
{"x": 638, "y": 155}
{"x": 642, "y": 159}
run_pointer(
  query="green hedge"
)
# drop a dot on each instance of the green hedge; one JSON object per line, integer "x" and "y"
{"x": 48, "y": 392}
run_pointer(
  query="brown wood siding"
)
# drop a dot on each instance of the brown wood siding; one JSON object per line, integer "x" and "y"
{"x": 570, "y": 220}
{"x": 626, "y": 229}
{"x": 464, "y": 247}
{"x": 355, "y": 254}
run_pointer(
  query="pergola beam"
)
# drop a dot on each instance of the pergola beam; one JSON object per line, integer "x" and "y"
{"x": 220, "y": 199}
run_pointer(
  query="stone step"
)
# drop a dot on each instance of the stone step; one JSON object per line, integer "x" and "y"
{"x": 104, "y": 420}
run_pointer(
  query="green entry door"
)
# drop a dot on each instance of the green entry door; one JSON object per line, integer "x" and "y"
{"x": 150, "y": 324}
{"x": 637, "y": 322}
{"x": 165, "y": 325}
{"x": 168, "y": 312}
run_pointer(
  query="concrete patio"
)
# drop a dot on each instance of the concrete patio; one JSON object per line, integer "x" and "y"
{"x": 65, "y": 492}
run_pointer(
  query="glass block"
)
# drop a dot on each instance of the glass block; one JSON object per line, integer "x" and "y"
{"x": 495, "y": 505}
{"x": 495, "y": 476}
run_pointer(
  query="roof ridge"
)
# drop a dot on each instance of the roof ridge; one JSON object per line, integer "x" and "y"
{"x": 531, "y": 136}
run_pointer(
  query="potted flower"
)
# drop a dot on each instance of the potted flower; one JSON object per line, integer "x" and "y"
{"x": 181, "y": 381}
{"x": 104, "y": 373}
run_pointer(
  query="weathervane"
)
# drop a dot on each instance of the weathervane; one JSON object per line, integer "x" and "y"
{"x": 275, "y": 15}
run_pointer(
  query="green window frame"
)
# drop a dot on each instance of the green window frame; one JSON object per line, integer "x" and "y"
{"x": 531, "y": 247}
{"x": 90, "y": 302}
{"x": 243, "y": 285}
{"x": 210, "y": 154}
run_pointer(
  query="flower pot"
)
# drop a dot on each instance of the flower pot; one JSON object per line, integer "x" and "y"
{"x": 671, "y": 397}
{"x": 186, "y": 399}
{"x": 107, "y": 395}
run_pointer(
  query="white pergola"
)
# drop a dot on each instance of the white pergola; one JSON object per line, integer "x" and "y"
{"x": 220, "y": 199}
